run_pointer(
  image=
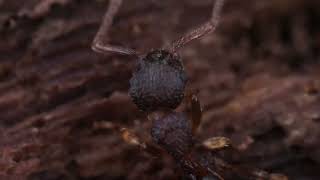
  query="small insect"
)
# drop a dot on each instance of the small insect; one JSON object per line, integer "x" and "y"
{"x": 158, "y": 86}
{"x": 159, "y": 79}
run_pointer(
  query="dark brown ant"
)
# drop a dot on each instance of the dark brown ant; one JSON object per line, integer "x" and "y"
{"x": 159, "y": 80}
{"x": 158, "y": 85}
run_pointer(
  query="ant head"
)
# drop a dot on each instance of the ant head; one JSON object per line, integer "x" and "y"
{"x": 173, "y": 133}
{"x": 158, "y": 82}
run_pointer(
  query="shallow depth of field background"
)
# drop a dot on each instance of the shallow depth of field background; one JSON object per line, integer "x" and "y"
{"x": 258, "y": 77}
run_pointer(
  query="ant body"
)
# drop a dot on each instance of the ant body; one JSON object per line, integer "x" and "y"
{"x": 158, "y": 86}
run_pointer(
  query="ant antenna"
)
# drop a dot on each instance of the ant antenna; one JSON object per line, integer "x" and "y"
{"x": 99, "y": 45}
{"x": 204, "y": 29}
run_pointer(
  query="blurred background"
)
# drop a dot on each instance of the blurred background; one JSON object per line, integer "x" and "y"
{"x": 258, "y": 79}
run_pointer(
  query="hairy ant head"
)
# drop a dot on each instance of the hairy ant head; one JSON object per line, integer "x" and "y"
{"x": 174, "y": 133}
{"x": 158, "y": 82}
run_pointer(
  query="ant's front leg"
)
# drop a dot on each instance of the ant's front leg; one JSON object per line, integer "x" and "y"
{"x": 195, "y": 114}
{"x": 216, "y": 143}
{"x": 131, "y": 138}
{"x": 99, "y": 43}
{"x": 193, "y": 109}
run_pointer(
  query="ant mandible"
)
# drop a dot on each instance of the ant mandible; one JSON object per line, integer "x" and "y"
{"x": 159, "y": 79}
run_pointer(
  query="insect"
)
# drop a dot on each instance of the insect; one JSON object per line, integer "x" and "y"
{"x": 159, "y": 79}
{"x": 158, "y": 86}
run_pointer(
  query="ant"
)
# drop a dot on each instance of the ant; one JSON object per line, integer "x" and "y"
{"x": 158, "y": 86}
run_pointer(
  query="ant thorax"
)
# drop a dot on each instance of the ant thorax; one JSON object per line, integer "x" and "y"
{"x": 158, "y": 81}
{"x": 173, "y": 132}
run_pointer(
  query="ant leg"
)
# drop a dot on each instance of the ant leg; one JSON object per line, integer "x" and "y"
{"x": 195, "y": 113}
{"x": 202, "y": 30}
{"x": 252, "y": 173}
{"x": 99, "y": 45}
{"x": 194, "y": 109}
{"x": 131, "y": 138}
{"x": 245, "y": 172}
{"x": 260, "y": 174}
{"x": 216, "y": 143}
